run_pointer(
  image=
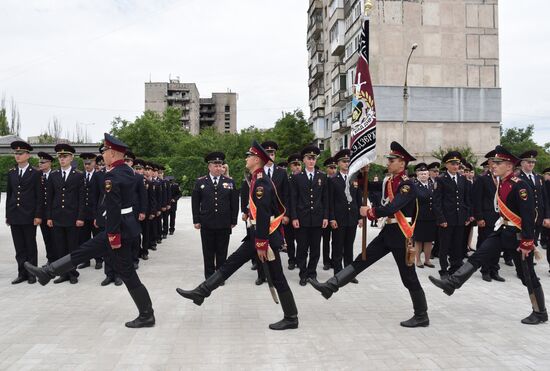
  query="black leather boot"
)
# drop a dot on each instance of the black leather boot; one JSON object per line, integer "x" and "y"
{"x": 455, "y": 280}
{"x": 46, "y": 273}
{"x": 541, "y": 315}
{"x": 204, "y": 289}
{"x": 340, "y": 279}
{"x": 146, "y": 316}
{"x": 420, "y": 318}
{"x": 290, "y": 319}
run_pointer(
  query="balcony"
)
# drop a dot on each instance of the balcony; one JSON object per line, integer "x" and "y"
{"x": 318, "y": 103}
{"x": 314, "y": 92}
{"x": 334, "y": 6}
{"x": 317, "y": 70}
{"x": 339, "y": 69}
{"x": 339, "y": 99}
{"x": 177, "y": 98}
{"x": 315, "y": 48}
{"x": 320, "y": 113}
{"x": 337, "y": 44}
{"x": 316, "y": 6}
{"x": 341, "y": 126}
{"x": 207, "y": 119}
{"x": 315, "y": 28}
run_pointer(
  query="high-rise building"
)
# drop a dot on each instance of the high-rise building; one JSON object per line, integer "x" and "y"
{"x": 219, "y": 111}
{"x": 454, "y": 99}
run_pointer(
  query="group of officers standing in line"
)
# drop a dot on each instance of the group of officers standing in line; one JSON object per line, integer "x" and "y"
{"x": 65, "y": 203}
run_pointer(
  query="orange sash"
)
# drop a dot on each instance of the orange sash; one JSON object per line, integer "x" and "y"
{"x": 508, "y": 214}
{"x": 405, "y": 227}
{"x": 276, "y": 222}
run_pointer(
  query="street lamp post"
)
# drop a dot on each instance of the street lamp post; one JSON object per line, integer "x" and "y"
{"x": 406, "y": 98}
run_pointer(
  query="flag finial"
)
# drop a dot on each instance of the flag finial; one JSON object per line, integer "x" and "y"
{"x": 368, "y": 6}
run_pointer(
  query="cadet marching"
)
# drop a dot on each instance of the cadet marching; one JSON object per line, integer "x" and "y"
{"x": 119, "y": 208}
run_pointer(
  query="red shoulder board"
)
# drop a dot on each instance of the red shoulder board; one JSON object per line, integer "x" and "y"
{"x": 514, "y": 179}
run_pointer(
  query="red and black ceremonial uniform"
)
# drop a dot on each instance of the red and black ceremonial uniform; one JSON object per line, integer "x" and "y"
{"x": 399, "y": 208}
{"x": 516, "y": 227}
{"x": 266, "y": 212}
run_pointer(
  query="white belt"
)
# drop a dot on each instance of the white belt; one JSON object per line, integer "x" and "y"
{"x": 124, "y": 211}
{"x": 501, "y": 221}
{"x": 394, "y": 220}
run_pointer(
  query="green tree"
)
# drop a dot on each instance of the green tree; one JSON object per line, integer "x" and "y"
{"x": 519, "y": 140}
{"x": 292, "y": 133}
{"x": 466, "y": 153}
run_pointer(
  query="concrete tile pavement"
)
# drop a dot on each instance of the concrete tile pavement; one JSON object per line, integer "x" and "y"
{"x": 81, "y": 327}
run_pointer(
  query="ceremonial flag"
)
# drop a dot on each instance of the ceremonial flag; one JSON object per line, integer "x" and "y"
{"x": 363, "y": 125}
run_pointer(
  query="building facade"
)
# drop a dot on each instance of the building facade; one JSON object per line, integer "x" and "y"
{"x": 219, "y": 111}
{"x": 453, "y": 76}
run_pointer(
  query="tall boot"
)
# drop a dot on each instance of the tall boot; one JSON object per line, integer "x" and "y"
{"x": 49, "y": 271}
{"x": 290, "y": 319}
{"x": 146, "y": 316}
{"x": 420, "y": 318}
{"x": 204, "y": 289}
{"x": 340, "y": 279}
{"x": 456, "y": 280}
{"x": 540, "y": 315}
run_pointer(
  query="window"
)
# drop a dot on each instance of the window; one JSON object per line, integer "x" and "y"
{"x": 333, "y": 35}
{"x": 345, "y": 140}
{"x": 227, "y": 109}
{"x": 227, "y": 116}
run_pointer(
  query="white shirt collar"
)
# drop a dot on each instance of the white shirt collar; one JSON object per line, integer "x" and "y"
{"x": 267, "y": 167}
{"x": 310, "y": 173}
{"x": 23, "y": 168}
{"x": 212, "y": 177}
{"x": 67, "y": 170}
{"x": 90, "y": 172}
{"x": 528, "y": 174}
{"x": 451, "y": 175}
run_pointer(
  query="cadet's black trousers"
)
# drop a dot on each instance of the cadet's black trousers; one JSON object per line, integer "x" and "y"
{"x": 327, "y": 232}
{"x": 65, "y": 241}
{"x": 492, "y": 266}
{"x": 505, "y": 239}
{"x": 390, "y": 239}
{"x": 173, "y": 210}
{"x": 48, "y": 241}
{"x": 24, "y": 240}
{"x": 451, "y": 248}
{"x": 87, "y": 231}
{"x": 309, "y": 241}
{"x": 290, "y": 238}
{"x": 215, "y": 243}
{"x": 119, "y": 259}
{"x": 244, "y": 253}
{"x": 165, "y": 215}
{"x": 342, "y": 246}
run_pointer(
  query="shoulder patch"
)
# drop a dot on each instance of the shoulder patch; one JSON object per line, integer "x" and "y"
{"x": 404, "y": 177}
{"x": 108, "y": 185}
{"x": 259, "y": 175}
{"x": 515, "y": 179}
{"x": 259, "y": 192}
{"x": 405, "y": 189}
{"x": 523, "y": 194}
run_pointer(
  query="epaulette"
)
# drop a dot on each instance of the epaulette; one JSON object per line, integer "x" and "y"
{"x": 202, "y": 177}
{"x": 12, "y": 169}
{"x": 404, "y": 177}
{"x": 515, "y": 179}
{"x": 77, "y": 171}
{"x": 55, "y": 171}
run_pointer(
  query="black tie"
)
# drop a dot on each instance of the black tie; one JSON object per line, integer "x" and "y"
{"x": 345, "y": 178}
{"x": 215, "y": 182}
{"x": 64, "y": 175}
{"x": 88, "y": 178}
{"x": 311, "y": 178}
{"x": 454, "y": 179}
{"x": 269, "y": 172}
{"x": 20, "y": 173}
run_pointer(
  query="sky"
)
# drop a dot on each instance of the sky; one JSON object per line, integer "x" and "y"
{"x": 85, "y": 62}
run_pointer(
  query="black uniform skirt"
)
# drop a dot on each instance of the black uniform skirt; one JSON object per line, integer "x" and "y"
{"x": 425, "y": 231}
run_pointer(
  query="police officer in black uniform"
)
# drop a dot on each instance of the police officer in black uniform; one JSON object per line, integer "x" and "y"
{"x": 309, "y": 213}
{"x": 45, "y": 164}
{"x": 483, "y": 203}
{"x": 24, "y": 203}
{"x": 150, "y": 242}
{"x": 215, "y": 208}
{"x": 343, "y": 214}
{"x": 265, "y": 214}
{"x": 175, "y": 193}
{"x": 535, "y": 181}
{"x": 140, "y": 204}
{"x": 167, "y": 197}
{"x": 115, "y": 242}
{"x": 399, "y": 199}
{"x": 139, "y": 168}
{"x": 453, "y": 213}
{"x": 295, "y": 165}
{"x": 516, "y": 233}
{"x": 66, "y": 205}
{"x": 92, "y": 192}
{"x": 425, "y": 229}
{"x": 331, "y": 169}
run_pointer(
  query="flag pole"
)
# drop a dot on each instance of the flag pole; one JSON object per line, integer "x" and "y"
{"x": 368, "y": 7}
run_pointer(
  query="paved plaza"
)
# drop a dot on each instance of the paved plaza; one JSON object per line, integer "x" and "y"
{"x": 81, "y": 327}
